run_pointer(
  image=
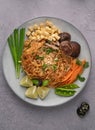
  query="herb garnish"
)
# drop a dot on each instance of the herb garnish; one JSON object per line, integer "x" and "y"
{"x": 48, "y": 50}
{"x": 82, "y": 79}
{"x": 86, "y": 65}
{"x": 44, "y": 66}
{"x": 78, "y": 62}
{"x": 54, "y": 67}
{"x": 39, "y": 57}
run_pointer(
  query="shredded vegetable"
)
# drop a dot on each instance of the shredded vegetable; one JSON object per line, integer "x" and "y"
{"x": 74, "y": 72}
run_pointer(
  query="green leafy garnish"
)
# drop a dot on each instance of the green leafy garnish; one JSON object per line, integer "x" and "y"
{"x": 78, "y": 62}
{"x": 39, "y": 57}
{"x": 16, "y": 44}
{"x": 44, "y": 66}
{"x": 86, "y": 65}
{"x": 54, "y": 67}
{"x": 82, "y": 79}
{"x": 48, "y": 50}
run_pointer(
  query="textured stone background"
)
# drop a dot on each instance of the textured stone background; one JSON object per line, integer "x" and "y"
{"x": 15, "y": 114}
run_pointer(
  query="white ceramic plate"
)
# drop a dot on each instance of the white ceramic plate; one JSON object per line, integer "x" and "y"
{"x": 51, "y": 99}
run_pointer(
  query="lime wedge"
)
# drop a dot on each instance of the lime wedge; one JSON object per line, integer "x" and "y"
{"x": 26, "y": 82}
{"x": 43, "y": 91}
{"x": 31, "y": 92}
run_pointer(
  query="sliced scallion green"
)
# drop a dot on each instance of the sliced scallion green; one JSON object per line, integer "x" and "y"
{"x": 44, "y": 66}
{"x": 54, "y": 67}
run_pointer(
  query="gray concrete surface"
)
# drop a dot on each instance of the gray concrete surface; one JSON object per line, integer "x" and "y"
{"x": 15, "y": 114}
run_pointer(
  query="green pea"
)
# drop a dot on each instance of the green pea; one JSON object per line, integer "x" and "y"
{"x": 45, "y": 82}
{"x": 65, "y": 92}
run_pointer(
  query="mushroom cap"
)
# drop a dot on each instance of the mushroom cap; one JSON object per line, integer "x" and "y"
{"x": 64, "y": 36}
{"x": 75, "y": 49}
{"x": 66, "y": 47}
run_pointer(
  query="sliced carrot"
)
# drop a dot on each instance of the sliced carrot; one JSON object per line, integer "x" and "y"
{"x": 73, "y": 72}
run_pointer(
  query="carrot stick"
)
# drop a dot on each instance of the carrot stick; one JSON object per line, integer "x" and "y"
{"x": 73, "y": 72}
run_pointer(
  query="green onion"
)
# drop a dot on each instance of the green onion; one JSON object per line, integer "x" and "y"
{"x": 44, "y": 66}
{"x": 21, "y": 44}
{"x": 12, "y": 48}
{"x": 39, "y": 57}
{"x": 16, "y": 43}
{"x": 54, "y": 67}
{"x": 48, "y": 50}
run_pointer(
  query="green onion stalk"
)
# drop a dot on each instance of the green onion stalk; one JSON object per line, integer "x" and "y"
{"x": 16, "y": 44}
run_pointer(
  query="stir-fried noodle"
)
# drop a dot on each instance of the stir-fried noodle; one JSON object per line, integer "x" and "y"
{"x": 43, "y": 62}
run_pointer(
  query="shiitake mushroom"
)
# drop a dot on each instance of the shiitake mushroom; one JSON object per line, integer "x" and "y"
{"x": 64, "y": 36}
{"x": 66, "y": 47}
{"x": 75, "y": 49}
{"x": 71, "y": 48}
